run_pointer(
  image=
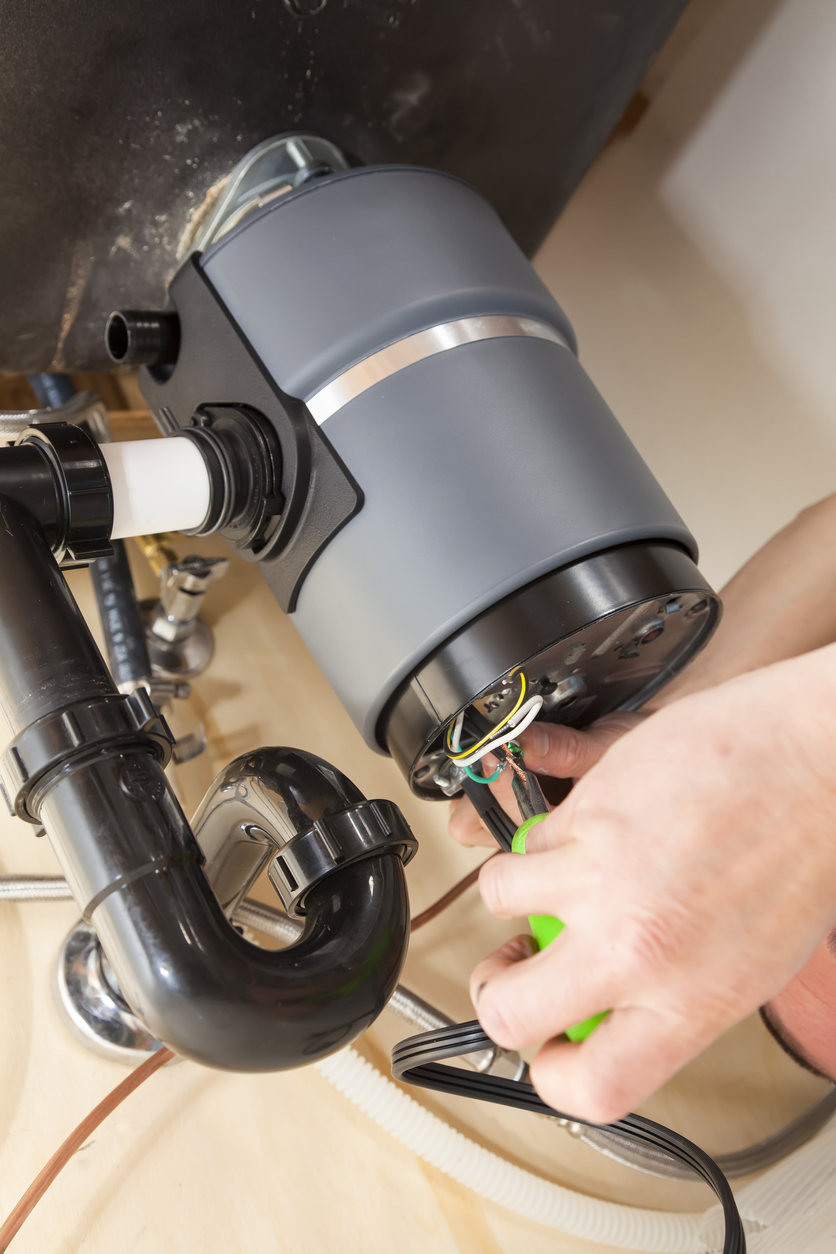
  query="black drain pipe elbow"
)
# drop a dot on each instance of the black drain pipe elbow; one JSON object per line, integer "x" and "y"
{"x": 87, "y": 762}
{"x": 196, "y": 983}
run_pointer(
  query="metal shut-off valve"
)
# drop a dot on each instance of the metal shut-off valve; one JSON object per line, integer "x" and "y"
{"x": 179, "y": 643}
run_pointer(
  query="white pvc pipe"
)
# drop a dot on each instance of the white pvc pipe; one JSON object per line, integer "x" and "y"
{"x": 158, "y": 485}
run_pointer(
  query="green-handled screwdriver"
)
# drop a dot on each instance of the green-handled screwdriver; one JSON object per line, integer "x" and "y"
{"x": 545, "y": 928}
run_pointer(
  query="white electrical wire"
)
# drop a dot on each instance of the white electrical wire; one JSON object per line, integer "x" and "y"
{"x": 514, "y": 727}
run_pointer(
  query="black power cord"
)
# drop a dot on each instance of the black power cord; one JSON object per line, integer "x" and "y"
{"x": 418, "y": 1060}
{"x": 490, "y": 812}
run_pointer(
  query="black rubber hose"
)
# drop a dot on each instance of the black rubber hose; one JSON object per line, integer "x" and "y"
{"x": 52, "y": 390}
{"x": 48, "y": 659}
{"x": 135, "y": 868}
{"x": 121, "y": 621}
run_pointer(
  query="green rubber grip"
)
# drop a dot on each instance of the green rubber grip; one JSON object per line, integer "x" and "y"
{"x": 545, "y": 928}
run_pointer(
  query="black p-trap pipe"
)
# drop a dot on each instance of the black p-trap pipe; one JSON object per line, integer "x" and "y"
{"x": 86, "y": 765}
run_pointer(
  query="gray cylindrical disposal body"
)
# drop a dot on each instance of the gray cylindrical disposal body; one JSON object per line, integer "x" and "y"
{"x": 483, "y": 466}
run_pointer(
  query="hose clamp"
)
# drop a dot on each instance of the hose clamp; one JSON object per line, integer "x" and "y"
{"x": 80, "y": 731}
{"x": 365, "y": 830}
{"x": 243, "y": 460}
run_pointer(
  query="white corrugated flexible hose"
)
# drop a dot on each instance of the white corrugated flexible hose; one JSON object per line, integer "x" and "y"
{"x": 789, "y": 1208}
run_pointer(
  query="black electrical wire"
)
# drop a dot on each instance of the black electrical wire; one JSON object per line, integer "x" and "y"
{"x": 418, "y": 1060}
{"x": 525, "y": 786}
{"x": 490, "y": 812}
{"x": 527, "y": 793}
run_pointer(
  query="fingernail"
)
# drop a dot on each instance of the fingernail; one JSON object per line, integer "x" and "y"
{"x": 478, "y": 993}
{"x": 535, "y": 742}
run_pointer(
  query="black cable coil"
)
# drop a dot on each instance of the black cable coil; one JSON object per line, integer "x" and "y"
{"x": 418, "y": 1059}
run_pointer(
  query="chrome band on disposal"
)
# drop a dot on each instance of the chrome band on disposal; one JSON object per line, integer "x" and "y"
{"x": 358, "y": 379}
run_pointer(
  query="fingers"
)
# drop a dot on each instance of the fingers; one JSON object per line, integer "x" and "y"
{"x": 539, "y": 883}
{"x": 568, "y": 753}
{"x": 512, "y": 952}
{"x": 563, "y": 752}
{"x": 626, "y": 1059}
{"x": 522, "y": 1003}
{"x": 466, "y": 827}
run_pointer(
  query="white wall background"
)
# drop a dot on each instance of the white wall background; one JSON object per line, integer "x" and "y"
{"x": 698, "y": 263}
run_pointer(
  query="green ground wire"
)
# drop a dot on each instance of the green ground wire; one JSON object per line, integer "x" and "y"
{"x": 485, "y": 779}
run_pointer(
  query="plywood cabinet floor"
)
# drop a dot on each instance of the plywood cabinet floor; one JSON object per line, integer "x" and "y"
{"x": 198, "y": 1159}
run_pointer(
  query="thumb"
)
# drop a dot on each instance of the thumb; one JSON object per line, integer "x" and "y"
{"x": 565, "y": 752}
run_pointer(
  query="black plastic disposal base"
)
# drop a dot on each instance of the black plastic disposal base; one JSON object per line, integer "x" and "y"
{"x": 602, "y": 634}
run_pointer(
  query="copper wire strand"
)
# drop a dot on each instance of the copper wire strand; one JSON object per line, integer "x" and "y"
{"x": 433, "y": 911}
{"x": 514, "y": 764}
{"x": 74, "y": 1142}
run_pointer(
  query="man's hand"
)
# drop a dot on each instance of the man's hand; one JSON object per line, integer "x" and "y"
{"x": 694, "y": 868}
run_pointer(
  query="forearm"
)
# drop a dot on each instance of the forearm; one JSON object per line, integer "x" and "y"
{"x": 780, "y": 605}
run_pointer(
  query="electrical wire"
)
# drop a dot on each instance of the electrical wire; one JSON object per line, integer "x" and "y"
{"x": 454, "y": 731}
{"x": 455, "y": 735}
{"x": 485, "y": 779}
{"x": 653, "y": 1155}
{"x": 518, "y": 722}
{"x": 433, "y": 911}
{"x": 645, "y": 1158}
{"x": 512, "y": 727}
{"x": 74, "y": 1142}
{"x": 20, "y": 888}
{"x": 419, "y": 1060}
{"x": 738, "y": 1163}
{"x": 500, "y": 826}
